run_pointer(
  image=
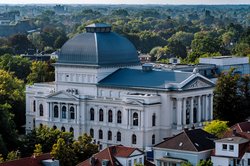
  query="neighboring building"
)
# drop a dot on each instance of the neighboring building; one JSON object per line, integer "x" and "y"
{"x": 232, "y": 151}
{"x": 42, "y": 160}
{"x": 234, "y": 148}
{"x": 144, "y": 58}
{"x": 117, "y": 156}
{"x": 188, "y": 146}
{"x": 224, "y": 63}
{"x": 40, "y": 57}
{"x": 101, "y": 89}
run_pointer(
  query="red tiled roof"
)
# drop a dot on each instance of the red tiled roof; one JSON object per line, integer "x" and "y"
{"x": 28, "y": 161}
{"x": 191, "y": 140}
{"x": 242, "y": 130}
{"x": 109, "y": 154}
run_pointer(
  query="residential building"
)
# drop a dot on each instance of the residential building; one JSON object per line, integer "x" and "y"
{"x": 117, "y": 156}
{"x": 189, "y": 146}
{"x": 101, "y": 89}
{"x": 234, "y": 148}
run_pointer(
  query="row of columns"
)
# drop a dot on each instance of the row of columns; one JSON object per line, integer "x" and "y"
{"x": 50, "y": 107}
{"x": 204, "y": 109}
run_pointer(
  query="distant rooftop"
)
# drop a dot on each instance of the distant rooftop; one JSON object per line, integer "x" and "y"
{"x": 224, "y": 60}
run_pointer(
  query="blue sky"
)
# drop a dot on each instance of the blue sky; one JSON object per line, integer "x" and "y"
{"x": 125, "y": 1}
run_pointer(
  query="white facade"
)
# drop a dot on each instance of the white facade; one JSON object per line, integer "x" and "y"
{"x": 127, "y": 114}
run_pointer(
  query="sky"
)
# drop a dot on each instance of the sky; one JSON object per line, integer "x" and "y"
{"x": 177, "y": 2}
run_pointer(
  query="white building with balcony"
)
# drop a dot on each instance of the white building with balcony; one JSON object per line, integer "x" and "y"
{"x": 101, "y": 89}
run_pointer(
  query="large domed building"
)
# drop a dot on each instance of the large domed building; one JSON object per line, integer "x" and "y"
{"x": 101, "y": 89}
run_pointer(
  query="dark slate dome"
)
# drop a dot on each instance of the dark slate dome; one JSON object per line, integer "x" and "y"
{"x": 99, "y": 47}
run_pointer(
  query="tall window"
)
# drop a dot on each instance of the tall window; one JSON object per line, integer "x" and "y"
{"x": 135, "y": 119}
{"x": 153, "y": 119}
{"x": 55, "y": 111}
{"x": 34, "y": 106}
{"x": 41, "y": 109}
{"x": 109, "y": 135}
{"x": 72, "y": 112}
{"x": 100, "y": 134}
{"x": 110, "y": 117}
{"x": 71, "y": 130}
{"x": 54, "y": 127}
{"x": 64, "y": 112}
{"x": 119, "y": 117}
{"x": 63, "y": 129}
{"x": 118, "y": 136}
{"x": 92, "y": 114}
{"x": 133, "y": 139}
{"x": 91, "y": 133}
{"x": 195, "y": 115}
{"x": 101, "y": 115}
{"x": 153, "y": 139}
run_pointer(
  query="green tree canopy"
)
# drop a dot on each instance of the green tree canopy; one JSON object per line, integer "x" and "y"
{"x": 216, "y": 127}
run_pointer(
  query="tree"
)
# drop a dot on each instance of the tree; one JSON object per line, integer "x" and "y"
{"x": 20, "y": 43}
{"x": 228, "y": 98}
{"x": 184, "y": 37}
{"x": 216, "y": 127}
{"x": 205, "y": 163}
{"x": 83, "y": 148}
{"x": 13, "y": 155}
{"x": 38, "y": 150}
{"x": 40, "y": 72}
{"x": 18, "y": 65}
{"x": 63, "y": 152}
{"x": 11, "y": 88}
{"x": 1, "y": 158}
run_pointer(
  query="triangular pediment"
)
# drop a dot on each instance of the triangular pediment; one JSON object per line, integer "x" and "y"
{"x": 62, "y": 95}
{"x": 134, "y": 102}
{"x": 197, "y": 82}
{"x": 136, "y": 153}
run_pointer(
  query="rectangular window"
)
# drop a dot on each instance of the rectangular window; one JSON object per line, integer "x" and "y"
{"x": 248, "y": 161}
{"x": 129, "y": 163}
{"x": 231, "y": 147}
{"x": 135, "y": 161}
{"x": 224, "y": 146}
{"x": 140, "y": 160}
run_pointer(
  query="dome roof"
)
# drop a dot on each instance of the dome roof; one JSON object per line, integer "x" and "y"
{"x": 99, "y": 47}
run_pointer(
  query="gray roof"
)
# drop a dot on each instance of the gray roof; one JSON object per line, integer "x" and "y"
{"x": 98, "y": 48}
{"x": 147, "y": 79}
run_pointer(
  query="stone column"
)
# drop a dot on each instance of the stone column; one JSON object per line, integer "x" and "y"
{"x": 199, "y": 109}
{"x": 51, "y": 112}
{"x": 60, "y": 112}
{"x": 128, "y": 117}
{"x": 184, "y": 111}
{"x": 47, "y": 111}
{"x": 207, "y": 107}
{"x": 179, "y": 112}
{"x": 142, "y": 119}
{"x": 77, "y": 115}
{"x": 192, "y": 110}
{"x": 211, "y": 106}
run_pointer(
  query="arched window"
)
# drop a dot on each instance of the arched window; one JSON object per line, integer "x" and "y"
{"x": 91, "y": 133}
{"x": 64, "y": 114}
{"x": 101, "y": 115}
{"x": 71, "y": 129}
{"x": 55, "y": 111}
{"x": 72, "y": 112}
{"x": 92, "y": 114}
{"x": 135, "y": 119}
{"x": 63, "y": 129}
{"x": 41, "y": 109}
{"x": 34, "y": 106}
{"x": 110, "y": 117}
{"x": 118, "y": 136}
{"x": 41, "y": 125}
{"x": 153, "y": 119}
{"x": 109, "y": 135}
{"x": 119, "y": 117}
{"x": 153, "y": 139}
{"x": 133, "y": 139}
{"x": 100, "y": 134}
{"x": 54, "y": 127}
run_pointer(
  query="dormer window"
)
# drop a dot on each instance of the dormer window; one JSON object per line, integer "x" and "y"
{"x": 224, "y": 146}
{"x": 231, "y": 147}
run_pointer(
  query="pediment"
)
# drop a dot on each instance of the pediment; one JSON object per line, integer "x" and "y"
{"x": 136, "y": 153}
{"x": 62, "y": 95}
{"x": 196, "y": 83}
{"x": 134, "y": 102}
